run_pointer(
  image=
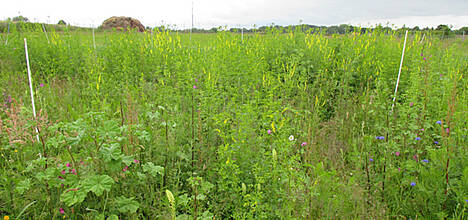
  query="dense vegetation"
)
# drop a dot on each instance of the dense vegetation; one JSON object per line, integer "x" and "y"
{"x": 269, "y": 126}
{"x": 20, "y": 23}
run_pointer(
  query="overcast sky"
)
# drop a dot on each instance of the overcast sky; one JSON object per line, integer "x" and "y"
{"x": 246, "y": 13}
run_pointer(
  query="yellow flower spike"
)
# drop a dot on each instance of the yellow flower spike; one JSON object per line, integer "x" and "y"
{"x": 6, "y": 217}
{"x": 16, "y": 151}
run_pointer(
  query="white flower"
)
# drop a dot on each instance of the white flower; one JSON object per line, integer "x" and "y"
{"x": 291, "y": 138}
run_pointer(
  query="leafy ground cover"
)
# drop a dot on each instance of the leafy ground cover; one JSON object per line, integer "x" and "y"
{"x": 274, "y": 126}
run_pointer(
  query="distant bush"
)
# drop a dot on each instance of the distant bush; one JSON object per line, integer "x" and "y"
{"x": 20, "y": 18}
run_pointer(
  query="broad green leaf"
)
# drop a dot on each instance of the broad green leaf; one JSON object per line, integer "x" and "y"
{"x": 47, "y": 175}
{"x": 113, "y": 217}
{"x": 206, "y": 186}
{"x": 127, "y": 205}
{"x": 111, "y": 152}
{"x": 183, "y": 200}
{"x": 98, "y": 184}
{"x": 100, "y": 217}
{"x": 73, "y": 196}
{"x": 152, "y": 169}
{"x": 206, "y": 215}
{"x": 127, "y": 160}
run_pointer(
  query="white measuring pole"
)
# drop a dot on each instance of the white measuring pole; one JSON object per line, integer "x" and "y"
{"x": 192, "y": 24}
{"x": 94, "y": 41}
{"x": 45, "y": 32}
{"x": 242, "y": 35}
{"x": 6, "y": 41}
{"x": 399, "y": 71}
{"x": 30, "y": 85}
{"x": 422, "y": 38}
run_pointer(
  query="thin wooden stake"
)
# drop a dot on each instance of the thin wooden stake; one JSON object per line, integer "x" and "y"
{"x": 399, "y": 71}
{"x": 30, "y": 85}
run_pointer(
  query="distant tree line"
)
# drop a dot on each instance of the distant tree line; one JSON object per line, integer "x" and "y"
{"x": 443, "y": 30}
{"x": 22, "y": 23}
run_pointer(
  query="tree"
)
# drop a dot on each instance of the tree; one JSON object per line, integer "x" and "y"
{"x": 62, "y": 22}
{"x": 346, "y": 28}
{"x": 461, "y": 30}
{"x": 444, "y": 29}
{"x": 20, "y": 18}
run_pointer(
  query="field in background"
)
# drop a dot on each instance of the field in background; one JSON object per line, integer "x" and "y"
{"x": 274, "y": 126}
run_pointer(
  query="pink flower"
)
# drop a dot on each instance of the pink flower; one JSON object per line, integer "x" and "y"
{"x": 397, "y": 153}
{"x": 269, "y": 131}
{"x": 415, "y": 157}
{"x": 63, "y": 172}
{"x": 399, "y": 169}
{"x": 62, "y": 211}
{"x": 196, "y": 80}
{"x": 411, "y": 104}
{"x": 194, "y": 87}
{"x": 68, "y": 164}
{"x": 73, "y": 171}
{"x": 304, "y": 144}
{"x": 447, "y": 130}
{"x": 41, "y": 85}
{"x": 125, "y": 169}
{"x": 136, "y": 161}
{"x": 422, "y": 129}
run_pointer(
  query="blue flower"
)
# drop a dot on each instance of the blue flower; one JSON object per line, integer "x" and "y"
{"x": 380, "y": 138}
{"x": 439, "y": 122}
{"x": 413, "y": 184}
{"x": 371, "y": 160}
{"x": 436, "y": 142}
{"x": 417, "y": 138}
{"x": 425, "y": 161}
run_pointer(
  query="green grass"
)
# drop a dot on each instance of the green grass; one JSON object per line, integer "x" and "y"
{"x": 279, "y": 126}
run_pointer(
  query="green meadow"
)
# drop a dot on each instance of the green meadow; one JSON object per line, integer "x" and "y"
{"x": 272, "y": 125}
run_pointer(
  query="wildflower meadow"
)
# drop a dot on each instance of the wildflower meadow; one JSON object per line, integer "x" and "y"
{"x": 280, "y": 124}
